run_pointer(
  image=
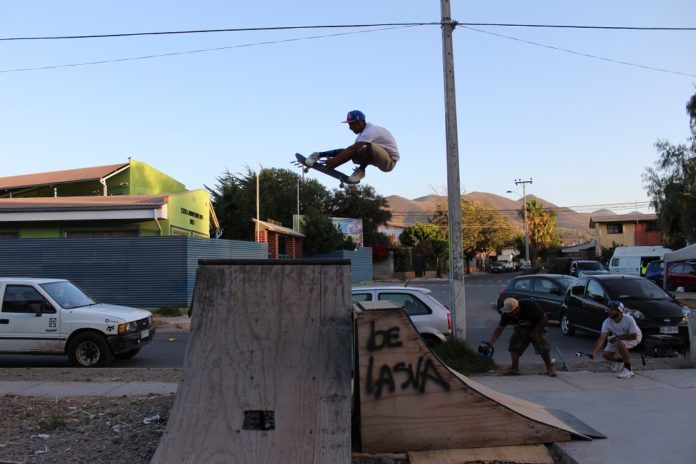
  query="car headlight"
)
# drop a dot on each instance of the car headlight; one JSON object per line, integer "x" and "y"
{"x": 127, "y": 327}
{"x": 634, "y": 313}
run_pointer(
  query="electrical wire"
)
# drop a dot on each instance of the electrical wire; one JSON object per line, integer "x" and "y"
{"x": 587, "y": 55}
{"x": 339, "y": 26}
{"x": 190, "y": 52}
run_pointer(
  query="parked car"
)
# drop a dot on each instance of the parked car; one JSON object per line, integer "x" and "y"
{"x": 655, "y": 311}
{"x": 53, "y": 316}
{"x": 585, "y": 267}
{"x": 655, "y": 272}
{"x": 496, "y": 268}
{"x": 432, "y": 320}
{"x": 548, "y": 290}
{"x": 682, "y": 275}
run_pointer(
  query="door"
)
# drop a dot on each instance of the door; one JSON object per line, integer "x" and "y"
{"x": 595, "y": 308}
{"x": 549, "y": 295}
{"x": 28, "y": 322}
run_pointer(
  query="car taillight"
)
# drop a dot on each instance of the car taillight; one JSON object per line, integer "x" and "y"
{"x": 449, "y": 322}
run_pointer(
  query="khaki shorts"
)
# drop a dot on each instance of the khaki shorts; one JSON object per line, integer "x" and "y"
{"x": 375, "y": 155}
{"x": 613, "y": 347}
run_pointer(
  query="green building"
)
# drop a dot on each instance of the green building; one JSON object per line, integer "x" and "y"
{"x": 119, "y": 200}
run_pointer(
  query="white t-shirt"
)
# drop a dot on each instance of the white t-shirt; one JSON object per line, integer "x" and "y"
{"x": 627, "y": 325}
{"x": 380, "y": 136}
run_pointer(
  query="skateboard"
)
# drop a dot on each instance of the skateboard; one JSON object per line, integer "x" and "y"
{"x": 338, "y": 175}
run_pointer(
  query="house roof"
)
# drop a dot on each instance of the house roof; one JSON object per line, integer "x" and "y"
{"x": 91, "y": 203}
{"x": 622, "y": 218}
{"x": 577, "y": 248}
{"x": 59, "y": 177}
{"x": 279, "y": 229}
{"x": 129, "y": 207}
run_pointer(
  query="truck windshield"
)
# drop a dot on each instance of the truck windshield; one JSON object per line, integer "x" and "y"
{"x": 590, "y": 266}
{"x": 67, "y": 295}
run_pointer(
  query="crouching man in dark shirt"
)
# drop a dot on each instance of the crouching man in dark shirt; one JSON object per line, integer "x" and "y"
{"x": 530, "y": 323}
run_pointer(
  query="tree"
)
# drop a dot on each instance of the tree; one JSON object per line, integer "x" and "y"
{"x": 234, "y": 199}
{"x": 321, "y": 234}
{"x": 484, "y": 229}
{"x": 429, "y": 241}
{"x": 671, "y": 185}
{"x": 541, "y": 227}
{"x": 362, "y": 202}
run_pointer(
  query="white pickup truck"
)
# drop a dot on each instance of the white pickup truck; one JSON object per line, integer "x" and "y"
{"x": 53, "y": 316}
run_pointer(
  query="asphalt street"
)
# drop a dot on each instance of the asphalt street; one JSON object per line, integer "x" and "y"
{"x": 481, "y": 290}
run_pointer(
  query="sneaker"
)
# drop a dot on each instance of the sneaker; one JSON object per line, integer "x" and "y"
{"x": 551, "y": 371}
{"x": 356, "y": 176}
{"x": 313, "y": 158}
{"x": 617, "y": 367}
{"x": 624, "y": 374}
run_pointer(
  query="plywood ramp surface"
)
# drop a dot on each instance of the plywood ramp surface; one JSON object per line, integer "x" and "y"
{"x": 267, "y": 373}
{"x": 529, "y": 454}
{"x": 411, "y": 401}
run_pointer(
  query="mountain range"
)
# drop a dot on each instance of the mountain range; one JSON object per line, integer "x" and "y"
{"x": 573, "y": 227}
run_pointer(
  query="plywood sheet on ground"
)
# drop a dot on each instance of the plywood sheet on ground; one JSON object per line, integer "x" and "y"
{"x": 529, "y": 454}
{"x": 267, "y": 373}
{"x": 410, "y": 401}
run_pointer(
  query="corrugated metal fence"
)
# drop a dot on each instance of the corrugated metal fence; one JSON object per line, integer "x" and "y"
{"x": 133, "y": 271}
{"x": 361, "y": 262}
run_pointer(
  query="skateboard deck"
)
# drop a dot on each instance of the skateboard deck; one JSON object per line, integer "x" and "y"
{"x": 338, "y": 175}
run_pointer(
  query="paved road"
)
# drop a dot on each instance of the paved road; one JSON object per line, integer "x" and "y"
{"x": 169, "y": 347}
{"x": 481, "y": 290}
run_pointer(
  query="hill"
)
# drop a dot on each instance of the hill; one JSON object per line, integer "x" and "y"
{"x": 573, "y": 226}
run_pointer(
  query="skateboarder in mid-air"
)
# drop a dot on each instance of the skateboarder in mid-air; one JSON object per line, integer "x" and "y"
{"x": 374, "y": 145}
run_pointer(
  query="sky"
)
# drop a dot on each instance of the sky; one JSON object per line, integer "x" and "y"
{"x": 194, "y": 106}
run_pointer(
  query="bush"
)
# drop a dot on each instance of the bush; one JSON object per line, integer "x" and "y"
{"x": 170, "y": 311}
{"x": 403, "y": 261}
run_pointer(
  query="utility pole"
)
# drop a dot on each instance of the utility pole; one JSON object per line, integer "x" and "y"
{"x": 454, "y": 207}
{"x": 526, "y": 227}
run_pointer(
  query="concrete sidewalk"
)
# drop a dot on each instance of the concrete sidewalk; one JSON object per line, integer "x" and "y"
{"x": 649, "y": 418}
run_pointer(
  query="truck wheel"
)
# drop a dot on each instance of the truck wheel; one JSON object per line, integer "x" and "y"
{"x": 566, "y": 326}
{"x": 128, "y": 354}
{"x": 89, "y": 350}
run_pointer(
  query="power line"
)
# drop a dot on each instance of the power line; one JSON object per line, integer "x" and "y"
{"x": 339, "y": 26}
{"x": 191, "y": 52}
{"x": 378, "y": 27}
{"x": 587, "y": 55}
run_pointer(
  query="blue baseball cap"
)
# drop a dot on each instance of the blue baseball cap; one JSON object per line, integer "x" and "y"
{"x": 354, "y": 116}
{"x": 616, "y": 304}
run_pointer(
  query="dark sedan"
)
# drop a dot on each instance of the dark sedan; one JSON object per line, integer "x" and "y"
{"x": 655, "y": 311}
{"x": 548, "y": 290}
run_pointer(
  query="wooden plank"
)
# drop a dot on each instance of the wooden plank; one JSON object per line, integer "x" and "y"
{"x": 267, "y": 371}
{"x": 411, "y": 401}
{"x": 529, "y": 454}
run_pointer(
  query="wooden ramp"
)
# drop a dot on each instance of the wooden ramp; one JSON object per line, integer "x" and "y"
{"x": 267, "y": 374}
{"x": 410, "y": 401}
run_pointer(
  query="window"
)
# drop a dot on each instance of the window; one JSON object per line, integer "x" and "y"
{"x": 544, "y": 285}
{"x": 677, "y": 268}
{"x": 595, "y": 291}
{"x": 578, "y": 288}
{"x": 615, "y": 228}
{"x": 522, "y": 284}
{"x": 23, "y": 299}
{"x": 412, "y": 305}
{"x": 358, "y": 297}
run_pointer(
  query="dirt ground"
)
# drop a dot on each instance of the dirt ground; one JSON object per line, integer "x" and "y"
{"x": 101, "y": 430}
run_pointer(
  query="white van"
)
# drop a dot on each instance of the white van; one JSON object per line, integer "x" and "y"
{"x": 633, "y": 260}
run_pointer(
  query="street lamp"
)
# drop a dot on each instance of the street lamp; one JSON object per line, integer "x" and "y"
{"x": 524, "y": 208}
